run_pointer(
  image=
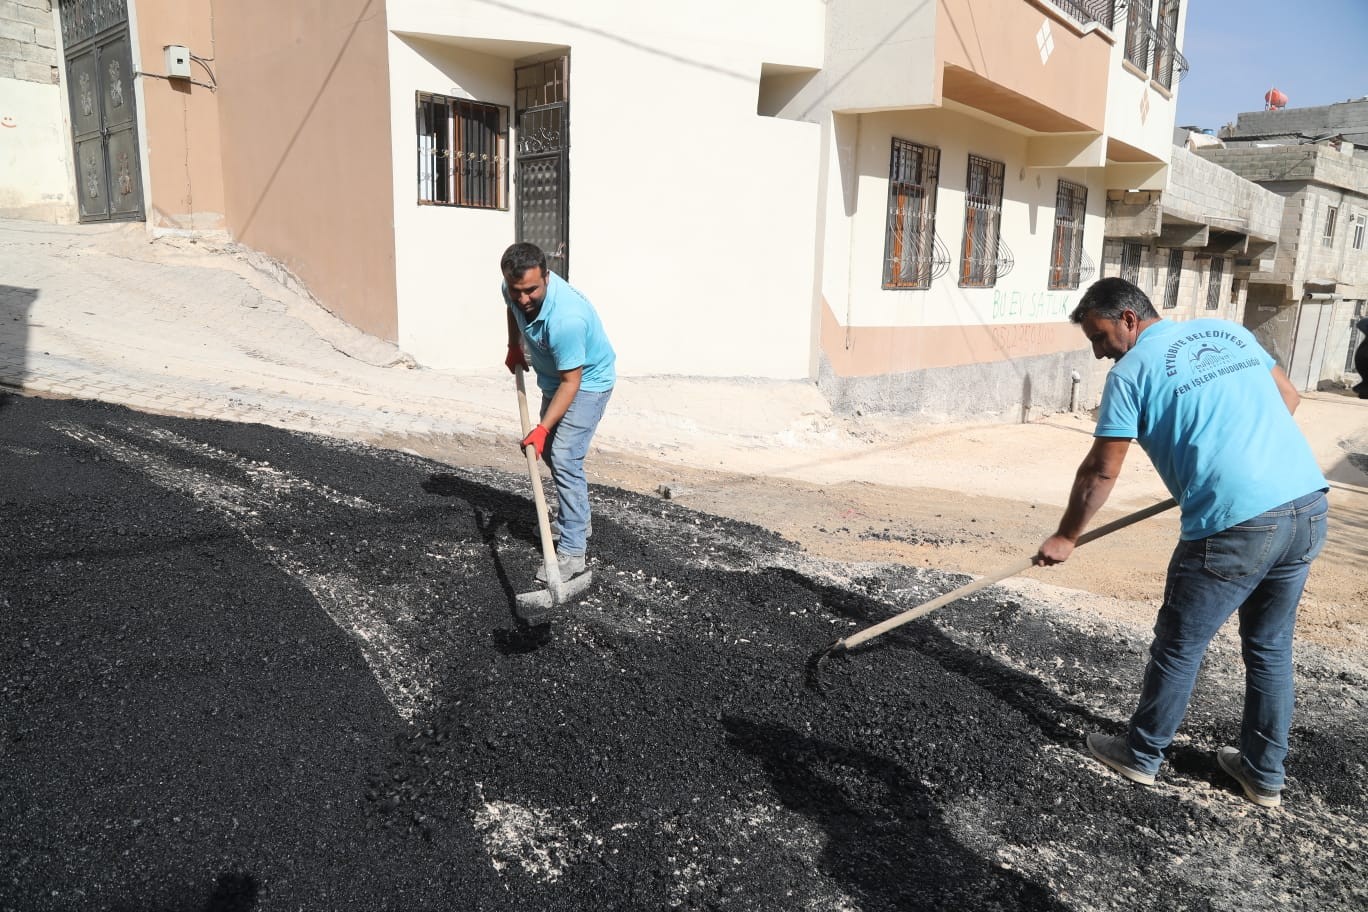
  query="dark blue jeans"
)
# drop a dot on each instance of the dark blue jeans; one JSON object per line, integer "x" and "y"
{"x": 1257, "y": 568}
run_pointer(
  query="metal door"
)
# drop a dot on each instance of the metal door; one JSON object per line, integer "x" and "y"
{"x": 543, "y": 164}
{"x": 1308, "y": 345}
{"x": 104, "y": 123}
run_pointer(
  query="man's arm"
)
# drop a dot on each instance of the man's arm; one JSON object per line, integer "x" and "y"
{"x": 1092, "y": 485}
{"x": 1289, "y": 393}
{"x": 514, "y": 334}
{"x": 564, "y": 395}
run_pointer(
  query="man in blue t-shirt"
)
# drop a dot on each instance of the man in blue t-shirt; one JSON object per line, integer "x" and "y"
{"x": 1214, "y": 413}
{"x": 574, "y": 363}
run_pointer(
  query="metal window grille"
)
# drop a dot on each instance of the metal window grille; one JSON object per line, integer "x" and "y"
{"x": 1066, "y": 254}
{"x": 1139, "y": 33}
{"x": 1085, "y": 11}
{"x": 982, "y": 223}
{"x": 1152, "y": 46}
{"x": 1328, "y": 239}
{"x": 909, "y": 239}
{"x": 1360, "y": 222}
{"x": 1130, "y": 262}
{"x": 1173, "y": 279}
{"x": 1214, "y": 274}
{"x": 462, "y": 152}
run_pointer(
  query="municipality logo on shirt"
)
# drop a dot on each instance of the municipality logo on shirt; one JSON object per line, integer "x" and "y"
{"x": 1205, "y": 357}
{"x": 1208, "y": 355}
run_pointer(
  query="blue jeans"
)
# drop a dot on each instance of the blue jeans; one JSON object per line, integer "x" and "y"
{"x": 1258, "y": 568}
{"x": 566, "y": 447}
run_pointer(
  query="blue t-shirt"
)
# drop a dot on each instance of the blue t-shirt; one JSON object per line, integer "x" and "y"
{"x": 1200, "y": 398}
{"x": 566, "y": 334}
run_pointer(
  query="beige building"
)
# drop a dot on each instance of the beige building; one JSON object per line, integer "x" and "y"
{"x": 901, "y": 201}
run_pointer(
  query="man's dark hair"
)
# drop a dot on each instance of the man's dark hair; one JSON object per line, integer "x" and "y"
{"x": 521, "y": 257}
{"x": 1109, "y": 297}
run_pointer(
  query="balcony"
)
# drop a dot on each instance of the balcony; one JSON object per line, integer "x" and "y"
{"x": 1084, "y": 12}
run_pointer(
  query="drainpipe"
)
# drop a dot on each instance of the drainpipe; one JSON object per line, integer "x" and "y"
{"x": 1076, "y": 377}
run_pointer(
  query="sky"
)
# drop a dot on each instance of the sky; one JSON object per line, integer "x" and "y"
{"x": 1314, "y": 51}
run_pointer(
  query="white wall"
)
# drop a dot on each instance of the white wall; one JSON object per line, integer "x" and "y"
{"x": 1022, "y": 296}
{"x": 35, "y": 153}
{"x": 692, "y": 219}
{"x": 446, "y": 258}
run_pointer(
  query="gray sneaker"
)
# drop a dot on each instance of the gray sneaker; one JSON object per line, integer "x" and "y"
{"x": 1229, "y": 759}
{"x": 571, "y": 565}
{"x": 1115, "y": 753}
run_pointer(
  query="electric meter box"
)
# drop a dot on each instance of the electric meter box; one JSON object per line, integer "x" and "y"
{"x": 177, "y": 61}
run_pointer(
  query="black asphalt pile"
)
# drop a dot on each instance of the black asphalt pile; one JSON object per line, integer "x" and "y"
{"x": 244, "y": 669}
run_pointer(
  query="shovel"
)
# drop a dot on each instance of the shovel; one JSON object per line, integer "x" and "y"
{"x": 533, "y": 607}
{"x": 840, "y": 647}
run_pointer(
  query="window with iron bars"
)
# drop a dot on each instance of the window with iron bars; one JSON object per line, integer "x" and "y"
{"x": 1130, "y": 262}
{"x": 1139, "y": 33}
{"x": 1174, "y": 278}
{"x": 462, "y": 152}
{"x": 1360, "y": 222}
{"x": 982, "y": 223}
{"x": 1165, "y": 41}
{"x": 909, "y": 239}
{"x": 1066, "y": 252}
{"x": 1214, "y": 274}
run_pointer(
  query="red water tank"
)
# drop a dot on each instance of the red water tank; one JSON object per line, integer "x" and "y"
{"x": 1274, "y": 100}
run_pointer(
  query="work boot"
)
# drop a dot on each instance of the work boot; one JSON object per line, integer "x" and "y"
{"x": 571, "y": 565}
{"x": 1229, "y": 759}
{"x": 1115, "y": 753}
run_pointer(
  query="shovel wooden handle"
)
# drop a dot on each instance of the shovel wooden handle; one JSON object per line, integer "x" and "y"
{"x": 997, "y": 576}
{"x": 553, "y": 578}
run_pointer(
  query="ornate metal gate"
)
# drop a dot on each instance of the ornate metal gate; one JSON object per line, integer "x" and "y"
{"x": 543, "y": 199}
{"x": 104, "y": 123}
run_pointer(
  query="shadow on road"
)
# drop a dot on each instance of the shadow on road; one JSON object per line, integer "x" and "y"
{"x": 15, "y": 303}
{"x": 887, "y": 840}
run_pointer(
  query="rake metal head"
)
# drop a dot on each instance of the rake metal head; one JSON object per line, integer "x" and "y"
{"x": 534, "y": 607}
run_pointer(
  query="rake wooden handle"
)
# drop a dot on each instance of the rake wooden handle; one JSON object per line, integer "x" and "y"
{"x": 553, "y": 577}
{"x": 997, "y": 576}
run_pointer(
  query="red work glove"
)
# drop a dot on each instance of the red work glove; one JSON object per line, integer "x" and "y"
{"x": 536, "y": 440}
{"x": 515, "y": 360}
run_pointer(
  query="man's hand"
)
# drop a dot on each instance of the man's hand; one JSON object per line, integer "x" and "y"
{"x": 536, "y": 440}
{"x": 515, "y": 360}
{"x": 1053, "y": 550}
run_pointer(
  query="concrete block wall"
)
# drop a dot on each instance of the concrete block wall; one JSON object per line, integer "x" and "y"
{"x": 1204, "y": 191}
{"x": 1193, "y": 284}
{"x": 1339, "y": 260}
{"x": 28, "y": 41}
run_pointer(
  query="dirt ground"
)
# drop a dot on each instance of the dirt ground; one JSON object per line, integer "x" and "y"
{"x": 944, "y": 526}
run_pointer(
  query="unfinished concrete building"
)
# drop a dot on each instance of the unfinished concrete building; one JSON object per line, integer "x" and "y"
{"x": 1193, "y": 245}
{"x": 1303, "y": 304}
{"x": 1345, "y": 121}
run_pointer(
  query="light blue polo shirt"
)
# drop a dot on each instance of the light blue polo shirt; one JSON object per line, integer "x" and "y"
{"x": 1200, "y": 398}
{"x": 566, "y": 334}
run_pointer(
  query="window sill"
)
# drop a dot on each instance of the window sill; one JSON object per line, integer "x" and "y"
{"x": 1159, "y": 87}
{"x": 1134, "y": 70}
